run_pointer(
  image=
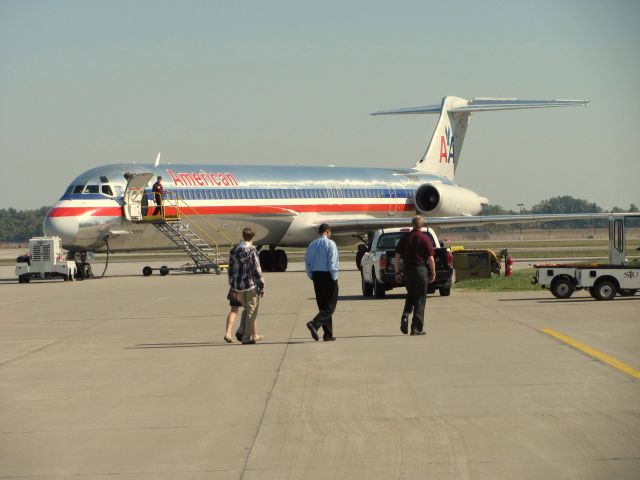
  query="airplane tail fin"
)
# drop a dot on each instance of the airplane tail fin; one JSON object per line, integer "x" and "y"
{"x": 443, "y": 152}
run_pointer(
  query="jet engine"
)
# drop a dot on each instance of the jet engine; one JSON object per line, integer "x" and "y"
{"x": 447, "y": 200}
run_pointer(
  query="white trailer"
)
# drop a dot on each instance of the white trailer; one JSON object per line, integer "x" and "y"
{"x": 603, "y": 281}
{"x": 46, "y": 259}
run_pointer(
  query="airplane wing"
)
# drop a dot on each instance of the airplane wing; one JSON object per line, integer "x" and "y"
{"x": 369, "y": 224}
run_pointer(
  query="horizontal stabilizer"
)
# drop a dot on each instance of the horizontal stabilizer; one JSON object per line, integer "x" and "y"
{"x": 482, "y": 104}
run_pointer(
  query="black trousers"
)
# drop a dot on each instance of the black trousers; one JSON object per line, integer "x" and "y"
{"x": 326, "y": 289}
{"x": 158, "y": 199}
{"x": 416, "y": 280}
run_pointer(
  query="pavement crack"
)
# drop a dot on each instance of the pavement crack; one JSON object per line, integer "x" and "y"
{"x": 269, "y": 396}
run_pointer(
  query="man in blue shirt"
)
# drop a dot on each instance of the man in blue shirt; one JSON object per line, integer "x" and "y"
{"x": 321, "y": 263}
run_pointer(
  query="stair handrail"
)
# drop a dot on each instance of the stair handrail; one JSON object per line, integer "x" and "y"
{"x": 176, "y": 204}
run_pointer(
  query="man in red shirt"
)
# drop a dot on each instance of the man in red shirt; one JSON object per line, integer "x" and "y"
{"x": 416, "y": 251}
{"x": 158, "y": 191}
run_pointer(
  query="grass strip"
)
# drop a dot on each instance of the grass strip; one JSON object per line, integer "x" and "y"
{"x": 519, "y": 281}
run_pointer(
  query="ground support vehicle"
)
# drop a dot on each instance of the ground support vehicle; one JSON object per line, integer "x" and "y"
{"x": 603, "y": 281}
{"x": 46, "y": 259}
{"x": 187, "y": 267}
{"x": 375, "y": 262}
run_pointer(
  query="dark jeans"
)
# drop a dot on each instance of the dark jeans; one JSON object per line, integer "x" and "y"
{"x": 326, "y": 289}
{"x": 416, "y": 279}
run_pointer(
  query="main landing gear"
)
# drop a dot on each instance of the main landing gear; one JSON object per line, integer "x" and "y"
{"x": 273, "y": 260}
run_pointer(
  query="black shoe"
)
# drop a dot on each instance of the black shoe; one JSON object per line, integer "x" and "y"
{"x": 404, "y": 324}
{"x": 239, "y": 336}
{"x": 328, "y": 339}
{"x": 418, "y": 333}
{"x": 248, "y": 342}
{"x": 313, "y": 330}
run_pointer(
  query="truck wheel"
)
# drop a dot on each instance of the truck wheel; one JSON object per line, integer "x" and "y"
{"x": 561, "y": 287}
{"x": 164, "y": 270}
{"x": 378, "y": 288}
{"x": 362, "y": 249}
{"x": 592, "y": 292}
{"x": 604, "y": 290}
{"x": 445, "y": 291}
{"x": 147, "y": 271}
{"x": 367, "y": 288}
{"x": 627, "y": 293}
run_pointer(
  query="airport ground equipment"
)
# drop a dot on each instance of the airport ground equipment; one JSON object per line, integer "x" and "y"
{"x": 375, "y": 262}
{"x": 475, "y": 263}
{"x": 46, "y": 259}
{"x": 602, "y": 280}
{"x": 205, "y": 257}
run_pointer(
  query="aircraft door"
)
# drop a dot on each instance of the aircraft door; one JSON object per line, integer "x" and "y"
{"x": 135, "y": 199}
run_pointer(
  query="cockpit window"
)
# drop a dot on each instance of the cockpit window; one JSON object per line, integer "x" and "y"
{"x": 92, "y": 189}
{"x": 104, "y": 179}
{"x": 106, "y": 189}
{"x": 78, "y": 188}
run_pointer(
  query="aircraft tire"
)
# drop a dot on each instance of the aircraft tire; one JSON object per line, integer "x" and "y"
{"x": 281, "y": 261}
{"x": 445, "y": 291}
{"x": 147, "y": 271}
{"x": 164, "y": 270}
{"x": 265, "y": 260}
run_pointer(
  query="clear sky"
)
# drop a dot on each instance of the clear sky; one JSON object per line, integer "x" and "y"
{"x": 86, "y": 83}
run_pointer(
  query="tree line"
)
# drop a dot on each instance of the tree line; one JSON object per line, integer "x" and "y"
{"x": 17, "y": 226}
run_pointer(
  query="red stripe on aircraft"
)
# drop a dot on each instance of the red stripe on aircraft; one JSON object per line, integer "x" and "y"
{"x": 235, "y": 209}
{"x": 91, "y": 211}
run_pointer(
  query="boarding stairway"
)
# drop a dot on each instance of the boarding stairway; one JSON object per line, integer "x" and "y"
{"x": 204, "y": 256}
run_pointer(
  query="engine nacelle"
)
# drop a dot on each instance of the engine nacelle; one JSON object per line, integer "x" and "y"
{"x": 447, "y": 200}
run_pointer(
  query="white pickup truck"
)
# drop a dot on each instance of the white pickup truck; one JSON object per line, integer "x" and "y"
{"x": 602, "y": 280}
{"x": 375, "y": 262}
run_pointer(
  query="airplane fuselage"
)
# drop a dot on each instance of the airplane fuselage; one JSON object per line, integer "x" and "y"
{"x": 281, "y": 203}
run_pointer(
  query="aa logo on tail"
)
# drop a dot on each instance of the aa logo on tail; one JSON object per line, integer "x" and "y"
{"x": 446, "y": 146}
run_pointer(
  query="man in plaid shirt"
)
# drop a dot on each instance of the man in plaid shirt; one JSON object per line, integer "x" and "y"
{"x": 245, "y": 278}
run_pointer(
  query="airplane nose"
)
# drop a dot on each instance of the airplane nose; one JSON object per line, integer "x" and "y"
{"x": 64, "y": 227}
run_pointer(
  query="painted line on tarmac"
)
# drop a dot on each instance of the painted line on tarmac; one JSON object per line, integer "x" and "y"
{"x": 592, "y": 352}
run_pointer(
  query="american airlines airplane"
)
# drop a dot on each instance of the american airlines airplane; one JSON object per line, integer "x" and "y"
{"x": 104, "y": 208}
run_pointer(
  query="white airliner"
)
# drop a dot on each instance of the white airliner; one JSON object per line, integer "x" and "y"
{"x": 101, "y": 209}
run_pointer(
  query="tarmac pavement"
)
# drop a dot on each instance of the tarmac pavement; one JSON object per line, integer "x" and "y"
{"x": 128, "y": 377}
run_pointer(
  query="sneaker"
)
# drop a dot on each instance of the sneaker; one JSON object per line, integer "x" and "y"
{"x": 248, "y": 342}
